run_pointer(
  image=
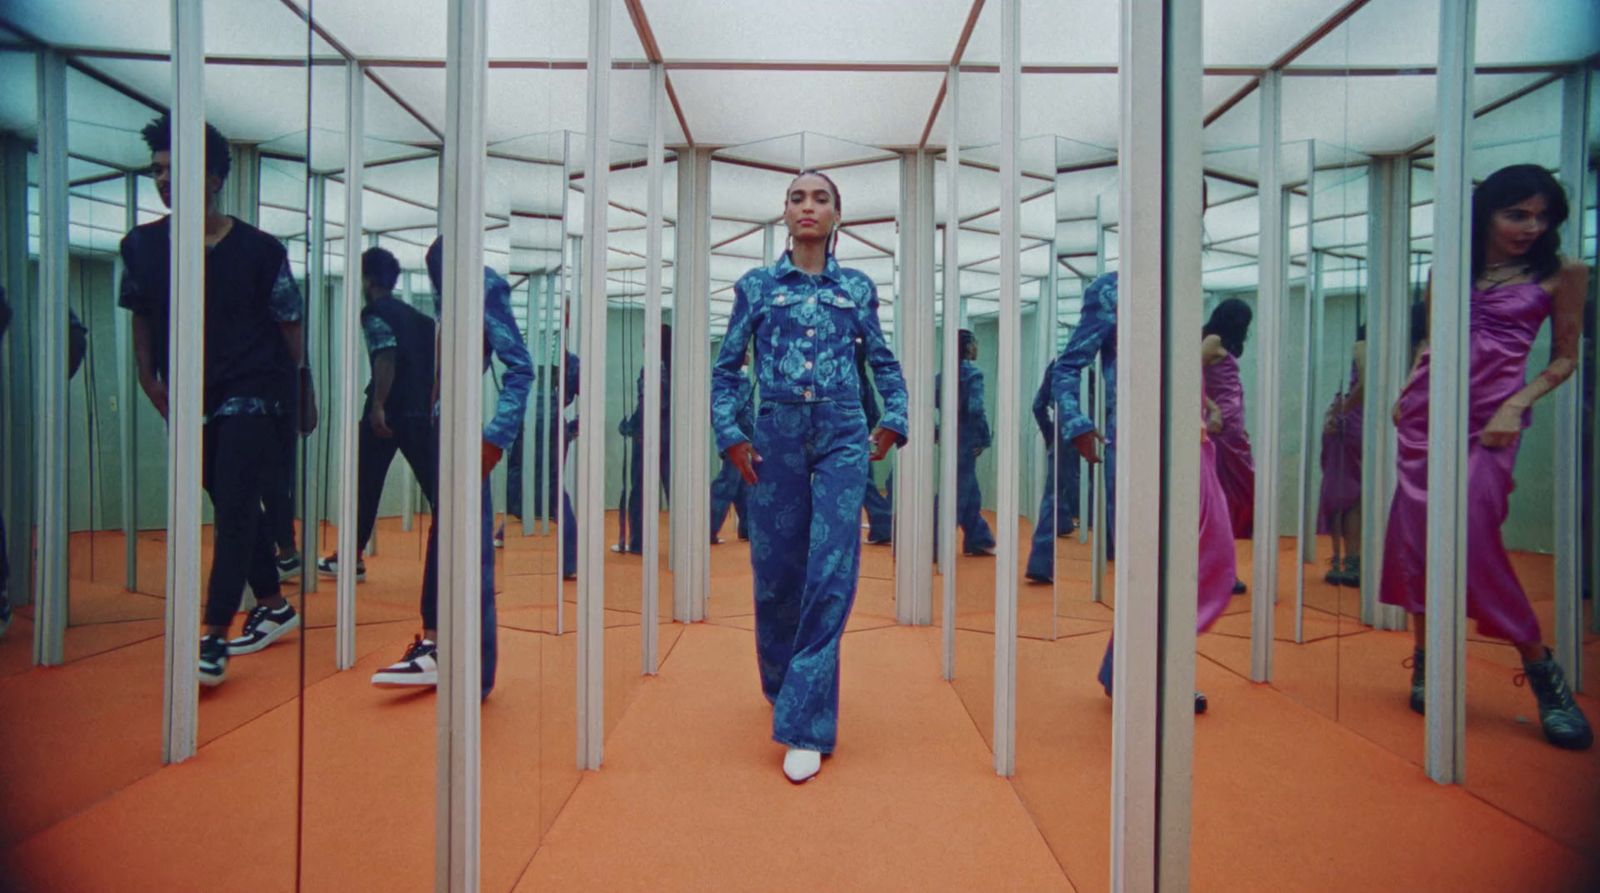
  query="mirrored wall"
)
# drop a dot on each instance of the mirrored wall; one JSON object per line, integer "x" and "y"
{"x": 307, "y": 542}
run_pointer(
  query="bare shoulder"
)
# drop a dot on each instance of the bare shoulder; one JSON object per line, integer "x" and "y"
{"x": 1570, "y": 280}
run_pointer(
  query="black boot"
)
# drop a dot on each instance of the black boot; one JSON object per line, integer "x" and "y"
{"x": 1419, "y": 682}
{"x": 1564, "y": 724}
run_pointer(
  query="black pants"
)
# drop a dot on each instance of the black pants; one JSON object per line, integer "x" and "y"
{"x": 240, "y": 458}
{"x": 279, "y": 498}
{"x": 414, "y": 437}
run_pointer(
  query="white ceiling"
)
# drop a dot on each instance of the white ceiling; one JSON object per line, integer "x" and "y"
{"x": 853, "y": 77}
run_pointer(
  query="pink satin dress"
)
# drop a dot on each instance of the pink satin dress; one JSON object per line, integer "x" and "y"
{"x": 1504, "y": 322}
{"x": 1236, "y": 465}
{"x": 1217, "y": 558}
{"x": 1341, "y": 463}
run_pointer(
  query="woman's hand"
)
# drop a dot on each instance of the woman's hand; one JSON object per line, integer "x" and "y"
{"x": 1395, "y": 414}
{"x": 882, "y": 440}
{"x": 491, "y": 457}
{"x": 1504, "y": 428}
{"x": 1088, "y": 444}
{"x": 744, "y": 457}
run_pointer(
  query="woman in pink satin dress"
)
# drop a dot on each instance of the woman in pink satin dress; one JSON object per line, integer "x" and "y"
{"x": 1224, "y": 336}
{"x": 1216, "y": 570}
{"x": 1518, "y": 280}
{"x": 1339, "y": 498}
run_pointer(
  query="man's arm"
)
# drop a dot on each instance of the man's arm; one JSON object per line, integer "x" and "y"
{"x": 382, "y": 377}
{"x": 288, "y": 308}
{"x": 134, "y": 299}
{"x": 144, "y": 355}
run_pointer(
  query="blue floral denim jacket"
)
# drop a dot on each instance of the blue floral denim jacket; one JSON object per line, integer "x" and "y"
{"x": 1096, "y": 334}
{"x": 502, "y": 338}
{"x": 805, "y": 328}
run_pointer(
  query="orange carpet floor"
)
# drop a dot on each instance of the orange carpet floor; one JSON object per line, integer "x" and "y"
{"x": 312, "y": 779}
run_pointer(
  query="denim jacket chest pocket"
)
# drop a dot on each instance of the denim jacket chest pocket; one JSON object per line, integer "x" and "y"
{"x": 823, "y": 318}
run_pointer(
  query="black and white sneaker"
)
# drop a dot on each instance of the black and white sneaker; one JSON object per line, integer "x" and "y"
{"x": 329, "y": 567}
{"x": 419, "y": 666}
{"x": 289, "y": 568}
{"x": 213, "y": 660}
{"x": 263, "y": 627}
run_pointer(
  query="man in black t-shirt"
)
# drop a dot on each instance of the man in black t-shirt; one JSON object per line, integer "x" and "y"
{"x": 255, "y": 385}
{"x": 399, "y": 409}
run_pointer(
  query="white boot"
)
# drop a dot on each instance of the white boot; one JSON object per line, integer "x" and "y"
{"x": 800, "y": 765}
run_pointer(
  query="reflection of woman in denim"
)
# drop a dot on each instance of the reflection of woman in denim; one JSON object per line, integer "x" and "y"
{"x": 804, "y": 314}
{"x": 880, "y": 512}
{"x": 1095, "y": 336}
{"x": 972, "y": 438}
{"x": 729, "y": 490}
{"x": 633, "y": 427}
{"x": 1059, "y": 503}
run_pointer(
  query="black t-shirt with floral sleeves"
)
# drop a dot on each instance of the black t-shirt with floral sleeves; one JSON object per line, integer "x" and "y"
{"x": 249, "y": 295}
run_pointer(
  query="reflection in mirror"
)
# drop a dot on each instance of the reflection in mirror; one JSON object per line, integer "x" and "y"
{"x": 103, "y": 712}
{"x": 374, "y": 299}
{"x": 625, "y": 412}
{"x": 544, "y": 533}
{"x": 1331, "y": 417}
{"x": 1071, "y": 385}
{"x": 1066, "y": 395}
{"x": 1231, "y": 278}
{"x": 1036, "y": 610}
{"x": 967, "y": 191}
{"x": 1530, "y": 285}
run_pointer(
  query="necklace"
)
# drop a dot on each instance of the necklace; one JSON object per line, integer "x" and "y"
{"x": 1515, "y": 269}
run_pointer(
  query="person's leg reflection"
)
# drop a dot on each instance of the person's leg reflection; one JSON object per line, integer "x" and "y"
{"x": 1042, "y": 554}
{"x": 976, "y": 537}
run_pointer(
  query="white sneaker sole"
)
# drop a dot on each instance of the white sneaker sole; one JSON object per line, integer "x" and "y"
{"x": 235, "y": 650}
{"x": 361, "y": 575}
{"x": 213, "y": 681}
{"x": 405, "y": 680}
